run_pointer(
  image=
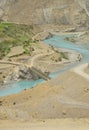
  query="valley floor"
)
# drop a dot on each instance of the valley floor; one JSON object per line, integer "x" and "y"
{"x": 57, "y": 124}
{"x": 64, "y": 101}
{"x": 66, "y": 96}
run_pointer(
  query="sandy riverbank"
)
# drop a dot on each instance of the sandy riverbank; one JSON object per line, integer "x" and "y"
{"x": 66, "y": 96}
{"x": 62, "y": 103}
{"x": 82, "y": 70}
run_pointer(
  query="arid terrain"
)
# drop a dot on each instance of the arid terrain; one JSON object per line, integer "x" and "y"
{"x": 62, "y": 100}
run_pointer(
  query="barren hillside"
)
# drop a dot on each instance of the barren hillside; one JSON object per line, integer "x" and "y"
{"x": 66, "y": 12}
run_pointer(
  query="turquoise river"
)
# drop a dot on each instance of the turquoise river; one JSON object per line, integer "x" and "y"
{"x": 59, "y": 42}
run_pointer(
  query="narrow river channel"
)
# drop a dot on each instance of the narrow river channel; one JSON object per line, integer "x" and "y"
{"x": 56, "y": 41}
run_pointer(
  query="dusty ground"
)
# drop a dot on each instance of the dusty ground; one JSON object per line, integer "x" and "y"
{"x": 66, "y": 96}
{"x": 4, "y": 70}
{"x": 82, "y": 71}
{"x": 64, "y": 101}
{"x": 57, "y": 124}
{"x": 87, "y": 69}
{"x": 31, "y": 109}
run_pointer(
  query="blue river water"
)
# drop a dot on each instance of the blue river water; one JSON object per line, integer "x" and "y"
{"x": 59, "y": 42}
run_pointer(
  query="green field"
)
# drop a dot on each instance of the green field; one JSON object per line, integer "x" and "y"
{"x": 14, "y": 35}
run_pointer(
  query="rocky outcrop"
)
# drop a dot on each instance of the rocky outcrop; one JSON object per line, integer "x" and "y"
{"x": 42, "y": 36}
{"x": 84, "y": 4}
{"x": 41, "y": 12}
{"x": 21, "y": 73}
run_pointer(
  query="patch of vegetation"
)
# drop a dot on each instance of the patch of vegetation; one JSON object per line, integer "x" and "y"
{"x": 28, "y": 47}
{"x": 61, "y": 54}
{"x": 4, "y": 48}
{"x": 14, "y": 35}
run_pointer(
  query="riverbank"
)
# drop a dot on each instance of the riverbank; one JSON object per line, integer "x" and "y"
{"x": 44, "y": 57}
{"x": 82, "y": 70}
{"x": 63, "y": 98}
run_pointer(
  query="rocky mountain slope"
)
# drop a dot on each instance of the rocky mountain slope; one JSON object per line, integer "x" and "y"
{"x": 40, "y": 12}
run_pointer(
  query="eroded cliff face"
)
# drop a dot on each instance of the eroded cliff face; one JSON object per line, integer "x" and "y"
{"x": 84, "y": 4}
{"x": 40, "y": 12}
